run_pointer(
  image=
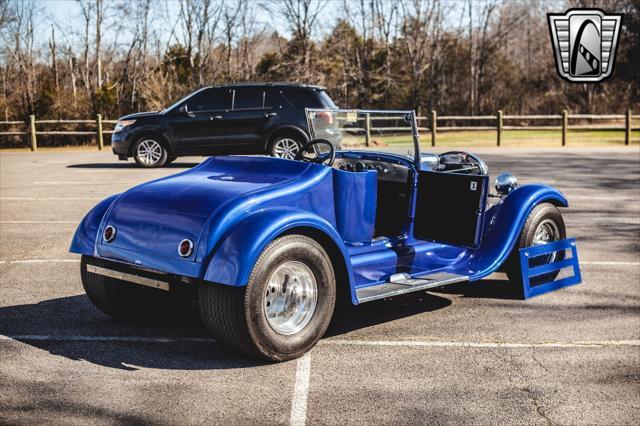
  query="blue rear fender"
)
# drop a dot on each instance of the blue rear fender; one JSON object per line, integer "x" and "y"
{"x": 232, "y": 261}
{"x": 503, "y": 225}
{"x": 84, "y": 239}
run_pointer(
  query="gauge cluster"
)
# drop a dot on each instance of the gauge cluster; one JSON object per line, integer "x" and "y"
{"x": 386, "y": 170}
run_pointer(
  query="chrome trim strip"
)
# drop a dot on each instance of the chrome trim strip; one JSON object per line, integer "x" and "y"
{"x": 149, "y": 282}
{"x": 401, "y": 285}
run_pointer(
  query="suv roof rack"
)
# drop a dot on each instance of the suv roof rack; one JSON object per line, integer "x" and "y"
{"x": 270, "y": 84}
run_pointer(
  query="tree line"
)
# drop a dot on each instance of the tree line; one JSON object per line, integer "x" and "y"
{"x": 468, "y": 57}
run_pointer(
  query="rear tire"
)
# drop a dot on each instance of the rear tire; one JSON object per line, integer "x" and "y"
{"x": 148, "y": 151}
{"x": 127, "y": 301}
{"x": 541, "y": 216}
{"x": 243, "y": 317}
{"x": 285, "y": 146}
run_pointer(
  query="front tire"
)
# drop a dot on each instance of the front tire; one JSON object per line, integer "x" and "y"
{"x": 284, "y": 309}
{"x": 148, "y": 152}
{"x": 544, "y": 225}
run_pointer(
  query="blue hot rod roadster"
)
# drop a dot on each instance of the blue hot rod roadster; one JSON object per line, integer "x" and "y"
{"x": 268, "y": 245}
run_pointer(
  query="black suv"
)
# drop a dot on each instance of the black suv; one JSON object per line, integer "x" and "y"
{"x": 259, "y": 118}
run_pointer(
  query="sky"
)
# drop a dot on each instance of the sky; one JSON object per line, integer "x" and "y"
{"x": 64, "y": 12}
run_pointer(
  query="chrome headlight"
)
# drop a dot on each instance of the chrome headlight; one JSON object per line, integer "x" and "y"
{"x": 505, "y": 183}
{"x": 121, "y": 124}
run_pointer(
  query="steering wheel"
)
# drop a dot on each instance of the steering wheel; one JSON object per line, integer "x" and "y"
{"x": 327, "y": 158}
{"x": 466, "y": 158}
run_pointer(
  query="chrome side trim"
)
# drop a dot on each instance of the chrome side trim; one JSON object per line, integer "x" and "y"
{"x": 149, "y": 282}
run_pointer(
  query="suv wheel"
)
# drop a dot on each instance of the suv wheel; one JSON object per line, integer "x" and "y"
{"x": 149, "y": 152}
{"x": 285, "y": 146}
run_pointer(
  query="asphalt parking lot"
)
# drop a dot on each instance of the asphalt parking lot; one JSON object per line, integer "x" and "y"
{"x": 465, "y": 354}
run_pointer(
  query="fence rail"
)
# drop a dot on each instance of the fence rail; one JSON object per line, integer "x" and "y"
{"x": 500, "y": 118}
{"x": 431, "y": 127}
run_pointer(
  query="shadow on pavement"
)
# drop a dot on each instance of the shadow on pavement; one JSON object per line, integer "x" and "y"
{"x": 484, "y": 289}
{"x": 76, "y": 316}
{"x": 348, "y": 318}
{"x": 71, "y": 316}
{"x": 127, "y": 165}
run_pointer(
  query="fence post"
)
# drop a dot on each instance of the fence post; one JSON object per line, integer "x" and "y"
{"x": 32, "y": 130}
{"x": 434, "y": 125}
{"x": 367, "y": 129}
{"x": 627, "y": 128}
{"x": 99, "y": 126}
{"x": 565, "y": 122}
{"x": 499, "y": 118}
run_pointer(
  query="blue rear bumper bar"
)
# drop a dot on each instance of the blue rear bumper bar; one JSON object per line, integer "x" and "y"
{"x": 543, "y": 286}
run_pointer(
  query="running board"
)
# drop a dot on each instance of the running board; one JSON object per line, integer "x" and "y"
{"x": 403, "y": 283}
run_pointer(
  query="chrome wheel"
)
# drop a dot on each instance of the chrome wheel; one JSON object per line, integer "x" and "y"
{"x": 547, "y": 232}
{"x": 149, "y": 151}
{"x": 286, "y": 148}
{"x": 291, "y": 297}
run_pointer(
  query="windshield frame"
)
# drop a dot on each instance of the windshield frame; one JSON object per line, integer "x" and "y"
{"x": 411, "y": 113}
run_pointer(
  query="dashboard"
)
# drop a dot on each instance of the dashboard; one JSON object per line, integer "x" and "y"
{"x": 387, "y": 170}
{"x": 395, "y": 168}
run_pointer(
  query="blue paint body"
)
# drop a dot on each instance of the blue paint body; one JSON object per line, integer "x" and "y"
{"x": 232, "y": 207}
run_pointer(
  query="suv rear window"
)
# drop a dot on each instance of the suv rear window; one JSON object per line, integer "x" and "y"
{"x": 309, "y": 98}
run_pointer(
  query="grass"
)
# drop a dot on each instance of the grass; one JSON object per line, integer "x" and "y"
{"x": 511, "y": 138}
{"x": 481, "y": 138}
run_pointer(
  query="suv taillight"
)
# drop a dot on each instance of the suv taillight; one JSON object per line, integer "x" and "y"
{"x": 327, "y": 117}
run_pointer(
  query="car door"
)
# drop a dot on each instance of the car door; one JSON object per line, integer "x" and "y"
{"x": 198, "y": 126}
{"x": 450, "y": 208}
{"x": 248, "y": 120}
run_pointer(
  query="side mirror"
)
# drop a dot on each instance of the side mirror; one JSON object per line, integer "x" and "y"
{"x": 505, "y": 183}
{"x": 184, "y": 110}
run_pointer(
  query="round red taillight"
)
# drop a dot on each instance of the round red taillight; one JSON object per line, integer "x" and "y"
{"x": 185, "y": 248}
{"x": 109, "y": 233}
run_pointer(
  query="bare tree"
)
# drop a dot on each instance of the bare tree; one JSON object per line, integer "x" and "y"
{"x": 301, "y": 16}
{"x": 99, "y": 20}
{"x": 386, "y": 25}
{"x": 421, "y": 28}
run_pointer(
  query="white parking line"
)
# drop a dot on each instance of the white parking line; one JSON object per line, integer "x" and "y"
{"x": 595, "y": 263}
{"x": 121, "y": 339}
{"x": 50, "y": 198}
{"x": 82, "y": 182}
{"x": 40, "y": 261}
{"x": 596, "y": 198}
{"x": 131, "y": 170}
{"x": 304, "y": 366}
{"x": 37, "y": 222}
{"x": 445, "y": 344}
{"x": 300, "y": 392}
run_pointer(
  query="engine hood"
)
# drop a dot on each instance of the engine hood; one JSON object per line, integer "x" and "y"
{"x": 151, "y": 219}
{"x": 140, "y": 115}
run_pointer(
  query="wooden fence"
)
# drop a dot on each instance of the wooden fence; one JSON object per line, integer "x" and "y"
{"x": 33, "y": 133}
{"x": 432, "y": 127}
